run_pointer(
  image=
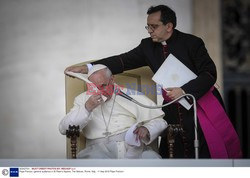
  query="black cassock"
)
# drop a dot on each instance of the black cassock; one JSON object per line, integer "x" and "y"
{"x": 191, "y": 51}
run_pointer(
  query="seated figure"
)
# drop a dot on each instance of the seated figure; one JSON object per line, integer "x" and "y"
{"x": 105, "y": 117}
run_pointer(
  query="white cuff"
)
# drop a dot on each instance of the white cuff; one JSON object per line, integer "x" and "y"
{"x": 89, "y": 66}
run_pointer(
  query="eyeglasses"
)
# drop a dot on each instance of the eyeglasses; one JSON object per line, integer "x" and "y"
{"x": 152, "y": 27}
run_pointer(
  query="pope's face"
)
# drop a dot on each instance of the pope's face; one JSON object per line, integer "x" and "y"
{"x": 157, "y": 30}
{"x": 104, "y": 83}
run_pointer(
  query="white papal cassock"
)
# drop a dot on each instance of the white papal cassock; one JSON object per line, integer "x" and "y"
{"x": 125, "y": 114}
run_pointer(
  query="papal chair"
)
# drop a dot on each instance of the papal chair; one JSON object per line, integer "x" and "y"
{"x": 138, "y": 79}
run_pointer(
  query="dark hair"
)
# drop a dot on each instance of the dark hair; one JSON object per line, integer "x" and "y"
{"x": 167, "y": 14}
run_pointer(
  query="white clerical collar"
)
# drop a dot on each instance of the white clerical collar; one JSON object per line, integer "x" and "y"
{"x": 164, "y": 43}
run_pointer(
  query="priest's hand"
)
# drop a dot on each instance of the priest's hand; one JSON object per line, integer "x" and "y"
{"x": 174, "y": 92}
{"x": 77, "y": 69}
{"x": 142, "y": 133}
{"x": 93, "y": 102}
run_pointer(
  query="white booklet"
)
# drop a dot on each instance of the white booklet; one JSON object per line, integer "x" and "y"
{"x": 84, "y": 77}
{"x": 174, "y": 73}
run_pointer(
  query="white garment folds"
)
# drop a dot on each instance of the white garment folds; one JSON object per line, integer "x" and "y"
{"x": 125, "y": 114}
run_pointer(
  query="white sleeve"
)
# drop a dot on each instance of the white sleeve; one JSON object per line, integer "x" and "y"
{"x": 78, "y": 115}
{"x": 89, "y": 66}
{"x": 155, "y": 128}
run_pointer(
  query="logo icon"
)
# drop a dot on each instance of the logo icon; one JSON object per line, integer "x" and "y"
{"x": 5, "y": 172}
{"x": 14, "y": 172}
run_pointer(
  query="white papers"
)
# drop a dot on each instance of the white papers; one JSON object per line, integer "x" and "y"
{"x": 130, "y": 137}
{"x": 84, "y": 77}
{"x": 173, "y": 73}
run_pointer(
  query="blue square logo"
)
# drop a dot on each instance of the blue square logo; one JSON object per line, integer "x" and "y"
{"x": 14, "y": 172}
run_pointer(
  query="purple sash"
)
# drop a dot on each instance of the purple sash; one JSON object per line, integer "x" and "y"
{"x": 221, "y": 137}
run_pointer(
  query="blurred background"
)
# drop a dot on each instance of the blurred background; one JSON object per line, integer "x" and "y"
{"x": 40, "y": 38}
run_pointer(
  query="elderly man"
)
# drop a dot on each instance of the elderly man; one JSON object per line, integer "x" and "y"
{"x": 106, "y": 122}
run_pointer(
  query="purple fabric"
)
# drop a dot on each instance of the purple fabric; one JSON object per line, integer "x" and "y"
{"x": 221, "y": 137}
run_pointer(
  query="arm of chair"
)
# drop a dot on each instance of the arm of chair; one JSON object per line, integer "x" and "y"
{"x": 172, "y": 131}
{"x": 73, "y": 132}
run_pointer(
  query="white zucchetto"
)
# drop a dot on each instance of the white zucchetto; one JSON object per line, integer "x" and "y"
{"x": 96, "y": 68}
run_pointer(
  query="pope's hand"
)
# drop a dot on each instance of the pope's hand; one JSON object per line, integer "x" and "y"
{"x": 141, "y": 133}
{"x": 93, "y": 102}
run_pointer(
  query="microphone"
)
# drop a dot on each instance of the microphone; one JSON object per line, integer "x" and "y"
{"x": 124, "y": 95}
{"x": 120, "y": 93}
